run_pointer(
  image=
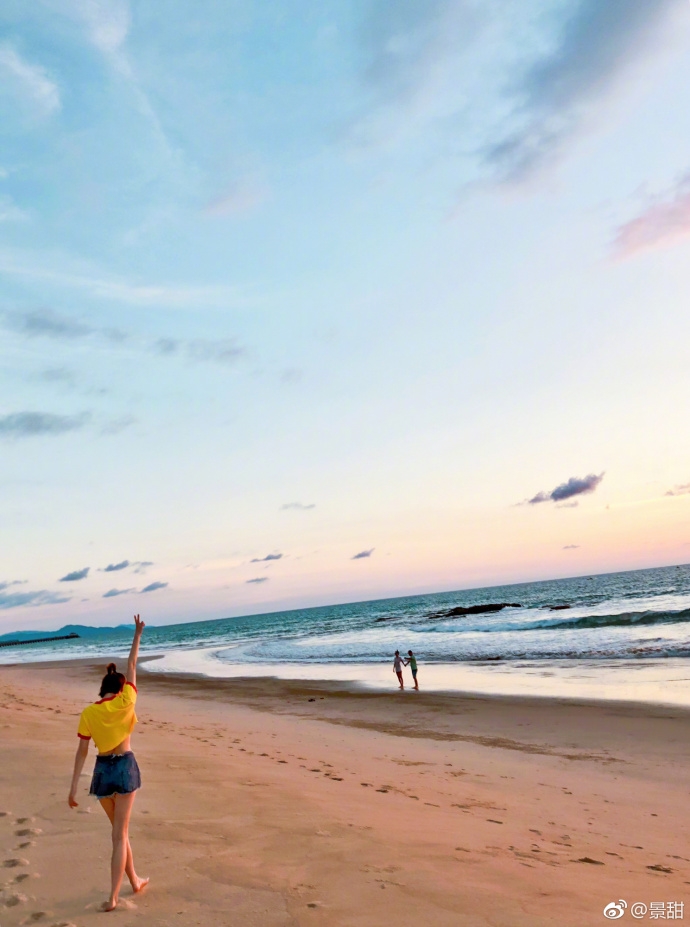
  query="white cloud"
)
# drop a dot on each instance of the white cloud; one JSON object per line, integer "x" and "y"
{"x": 35, "y": 268}
{"x": 108, "y": 22}
{"x": 30, "y": 79}
{"x": 107, "y": 25}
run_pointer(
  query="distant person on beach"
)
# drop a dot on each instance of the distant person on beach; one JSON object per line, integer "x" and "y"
{"x": 397, "y": 668}
{"x": 110, "y": 722}
{"x": 412, "y": 663}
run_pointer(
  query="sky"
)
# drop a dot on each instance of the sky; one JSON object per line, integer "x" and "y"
{"x": 305, "y": 303}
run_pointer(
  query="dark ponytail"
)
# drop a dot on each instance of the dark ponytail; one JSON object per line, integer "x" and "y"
{"x": 113, "y": 682}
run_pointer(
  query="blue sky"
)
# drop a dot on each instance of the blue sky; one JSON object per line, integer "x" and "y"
{"x": 324, "y": 279}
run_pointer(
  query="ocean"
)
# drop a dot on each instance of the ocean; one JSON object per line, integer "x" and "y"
{"x": 622, "y": 635}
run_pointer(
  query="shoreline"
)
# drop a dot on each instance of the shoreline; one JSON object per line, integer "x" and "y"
{"x": 663, "y": 682}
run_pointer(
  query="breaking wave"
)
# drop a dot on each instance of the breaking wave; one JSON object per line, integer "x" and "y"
{"x": 625, "y": 620}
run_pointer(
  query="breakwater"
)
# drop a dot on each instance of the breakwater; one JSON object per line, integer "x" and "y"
{"x": 38, "y": 640}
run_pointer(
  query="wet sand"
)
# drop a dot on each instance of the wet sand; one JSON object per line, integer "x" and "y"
{"x": 267, "y": 802}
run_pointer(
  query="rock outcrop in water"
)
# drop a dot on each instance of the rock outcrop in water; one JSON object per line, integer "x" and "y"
{"x": 460, "y": 610}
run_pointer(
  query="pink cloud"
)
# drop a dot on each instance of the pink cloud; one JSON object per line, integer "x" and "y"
{"x": 662, "y": 223}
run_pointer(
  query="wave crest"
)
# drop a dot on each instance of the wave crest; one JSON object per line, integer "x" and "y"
{"x": 624, "y": 620}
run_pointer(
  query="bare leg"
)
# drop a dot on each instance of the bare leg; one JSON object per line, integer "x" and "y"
{"x": 119, "y": 809}
{"x": 109, "y": 808}
{"x": 400, "y": 680}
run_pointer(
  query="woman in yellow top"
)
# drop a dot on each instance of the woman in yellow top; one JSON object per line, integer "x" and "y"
{"x": 116, "y": 778}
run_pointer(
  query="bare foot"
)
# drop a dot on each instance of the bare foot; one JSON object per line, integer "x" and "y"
{"x": 140, "y": 885}
{"x": 109, "y": 905}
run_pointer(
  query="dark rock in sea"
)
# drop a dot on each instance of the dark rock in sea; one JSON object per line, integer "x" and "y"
{"x": 557, "y": 608}
{"x": 385, "y": 618}
{"x": 475, "y": 609}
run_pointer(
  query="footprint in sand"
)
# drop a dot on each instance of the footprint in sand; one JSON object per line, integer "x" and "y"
{"x": 27, "y": 843}
{"x": 13, "y": 900}
{"x": 24, "y": 821}
{"x": 28, "y": 832}
{"x": 13, "y": 863}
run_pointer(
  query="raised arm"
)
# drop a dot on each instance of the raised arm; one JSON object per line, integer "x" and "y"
{"x": 134, "y": 652}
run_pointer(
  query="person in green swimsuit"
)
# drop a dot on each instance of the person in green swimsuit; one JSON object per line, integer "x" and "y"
{"x": 412, "y": 663}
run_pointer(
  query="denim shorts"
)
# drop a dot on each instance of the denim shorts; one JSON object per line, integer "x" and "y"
{"x": 116, "y": 773}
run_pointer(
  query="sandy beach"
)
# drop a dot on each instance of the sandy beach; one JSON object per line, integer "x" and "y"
{"x": 273, "y": 803}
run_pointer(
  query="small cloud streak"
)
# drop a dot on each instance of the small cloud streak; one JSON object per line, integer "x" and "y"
{"x": 225, "y": 351}
{"x": 12, "y": 582}
{"x": 571, "y": 547}
{"x": 681, "y": 490}
{"x": 32, "y": 79}
{"x": 267, "y": 558}
{"x": 258, "y": 579}
{"x": 114, "y": 567}
{"x": 152, "y": 587}
{"x": 363, "y": 554}
{"x": 26, "y": 599}
{"x": 297, "y": 507}
{"x": 46, "y": 323}
{"x": 663, "y": 223}
{"x": 141, "y": 565}
{"x": 32, "y": 424}
{"x": 575, "y": 486}
{"x": 111, "y": 593}
{"x": 75, "y": 576}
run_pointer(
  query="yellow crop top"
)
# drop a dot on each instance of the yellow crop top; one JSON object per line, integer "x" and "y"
{"x": 110, "y": 720}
